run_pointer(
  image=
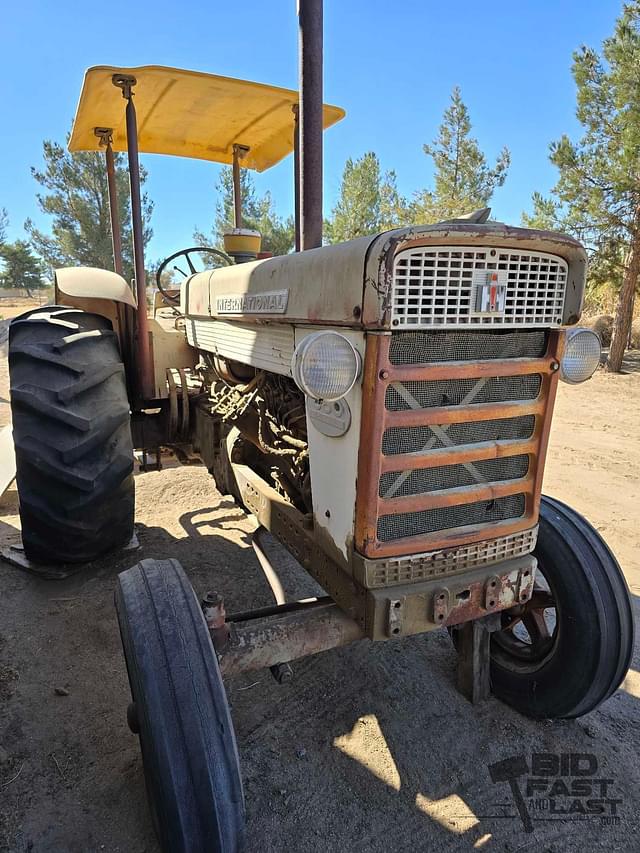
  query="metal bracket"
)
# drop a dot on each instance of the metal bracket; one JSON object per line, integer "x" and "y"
{"x": 126, "y": 82}
{"x": 395, "y": 616}
{"x": 104, "y": 134}
{"x": 215, "y": 617}
{"x": 441, "y": 605}
{"x": 240, "y": 151}
{"x": 526, "y": 580}
{"x": 492, "y": 590}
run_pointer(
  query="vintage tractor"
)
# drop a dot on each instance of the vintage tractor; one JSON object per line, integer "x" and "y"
{"x": 382, "y": 407}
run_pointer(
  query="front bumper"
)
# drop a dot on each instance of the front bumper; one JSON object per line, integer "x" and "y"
{"x": 414, "y": 608}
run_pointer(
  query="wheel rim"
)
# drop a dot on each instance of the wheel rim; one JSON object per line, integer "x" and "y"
{"x": 529, "y": 631}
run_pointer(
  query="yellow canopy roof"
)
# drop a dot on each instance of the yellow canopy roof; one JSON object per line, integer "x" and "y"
{"x": 191, "y": 114}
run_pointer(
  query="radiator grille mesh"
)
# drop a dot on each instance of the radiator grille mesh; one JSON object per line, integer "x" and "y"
{"x": 438, "y": 346}
{"x": 469, "y": 345}
{"x": 438, "y": 286}
{"x": 428, "y": 521}
{"x": 393, "y": 484}
{"x": 420, "y": 439}
{"x": 422, "y": 395}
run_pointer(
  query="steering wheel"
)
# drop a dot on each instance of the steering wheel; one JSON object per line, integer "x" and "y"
{"x": 220, "y": 258}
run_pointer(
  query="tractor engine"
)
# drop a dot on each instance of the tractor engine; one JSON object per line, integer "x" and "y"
{"x": 269, "y": 412}
{"x": 386, "y": 404}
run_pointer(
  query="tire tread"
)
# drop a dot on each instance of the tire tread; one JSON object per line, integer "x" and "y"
{"x": 74, "y": 454}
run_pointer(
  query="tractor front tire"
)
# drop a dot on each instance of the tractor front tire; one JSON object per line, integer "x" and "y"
{"x": 180, "y": 712}
{"x": 579, "y": 624}
{"x": 72, "y": 436}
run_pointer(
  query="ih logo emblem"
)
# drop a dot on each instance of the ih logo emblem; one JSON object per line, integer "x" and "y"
{"x": 491, "y": 293}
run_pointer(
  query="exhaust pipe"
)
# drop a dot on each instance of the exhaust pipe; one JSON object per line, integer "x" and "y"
{"x": 310, "y": 122}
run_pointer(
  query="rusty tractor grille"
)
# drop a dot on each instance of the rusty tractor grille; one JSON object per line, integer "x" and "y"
{"x": 437, "y": 287}
{"x": 418, "y": 567}
{"x": 454, "y": 431}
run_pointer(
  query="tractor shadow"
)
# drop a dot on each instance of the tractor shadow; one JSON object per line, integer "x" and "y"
{"x": 369, "y": 748}
{"x": 372, "y": 748}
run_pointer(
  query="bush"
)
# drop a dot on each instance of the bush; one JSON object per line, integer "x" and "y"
{"x": 602, "y": 326}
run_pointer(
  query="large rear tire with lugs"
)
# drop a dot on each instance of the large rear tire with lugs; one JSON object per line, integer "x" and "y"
{"x": 71, "y": 431}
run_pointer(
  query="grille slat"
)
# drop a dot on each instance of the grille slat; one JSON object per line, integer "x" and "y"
{"x": 438, "y": 287}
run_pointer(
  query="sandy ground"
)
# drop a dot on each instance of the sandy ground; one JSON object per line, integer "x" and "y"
{"x": 370, "y": 748}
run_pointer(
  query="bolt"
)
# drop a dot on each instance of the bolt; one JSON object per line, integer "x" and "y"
{"x": 384, "y": 374}
{"x": 357, "y": 311}
{"x": 554, "y": 366}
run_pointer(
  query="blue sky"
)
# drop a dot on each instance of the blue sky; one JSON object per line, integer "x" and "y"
{"x": 390, "y": 65}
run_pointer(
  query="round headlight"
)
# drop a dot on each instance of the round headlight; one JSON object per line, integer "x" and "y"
{"x": 581, "y": 356}
{"x": 325, "y": 365}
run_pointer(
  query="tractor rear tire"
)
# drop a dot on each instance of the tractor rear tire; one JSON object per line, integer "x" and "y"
{"x": 72, "y": 435}
{"x": 180, "y": 712}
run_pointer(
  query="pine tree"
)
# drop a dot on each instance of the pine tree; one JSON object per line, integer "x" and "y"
{"x": 368, "y": 203}
{"x": 77, "y": 198}
{"x": 22, "y": 270}
{"x": 463, "y": 181}
{"x": 597, "y": 196}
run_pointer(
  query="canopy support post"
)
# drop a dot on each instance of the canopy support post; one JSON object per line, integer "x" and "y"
{"x": 310, "y": 66}
{"x": 239, "y": 151}
{"x": 143, "y": 348}
{"x": 125, "y": 313}
{"x": 237, "y": 192}
{"x": 105, "y": 134}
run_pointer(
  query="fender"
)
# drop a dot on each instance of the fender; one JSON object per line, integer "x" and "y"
{"x": 93, "y": 283}
{"x": 100, "y": 292}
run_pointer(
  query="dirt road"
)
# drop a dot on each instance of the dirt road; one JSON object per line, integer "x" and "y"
{"x": 370, "y": 748}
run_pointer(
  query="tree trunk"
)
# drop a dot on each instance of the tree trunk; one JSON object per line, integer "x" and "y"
{"x": 624, "y": 308}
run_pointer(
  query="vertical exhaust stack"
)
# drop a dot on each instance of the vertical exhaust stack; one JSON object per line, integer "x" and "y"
{"x": 310, "y": 122}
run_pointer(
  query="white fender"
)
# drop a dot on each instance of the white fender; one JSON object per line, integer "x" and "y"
{"x": 94, "y": 283}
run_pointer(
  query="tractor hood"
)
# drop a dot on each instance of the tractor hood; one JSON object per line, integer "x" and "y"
{"x": 351, "y": 284}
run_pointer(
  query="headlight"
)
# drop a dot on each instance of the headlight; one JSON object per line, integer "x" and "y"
{"x": 581, "y": 356}
{"x": 325, "y": 365}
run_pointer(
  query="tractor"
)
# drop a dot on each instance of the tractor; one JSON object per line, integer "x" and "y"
{"x": 381, "y": 406}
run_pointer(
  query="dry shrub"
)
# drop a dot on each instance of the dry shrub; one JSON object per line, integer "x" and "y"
{"x": 601, "y": 325}
{"x": 635, "y": 334}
